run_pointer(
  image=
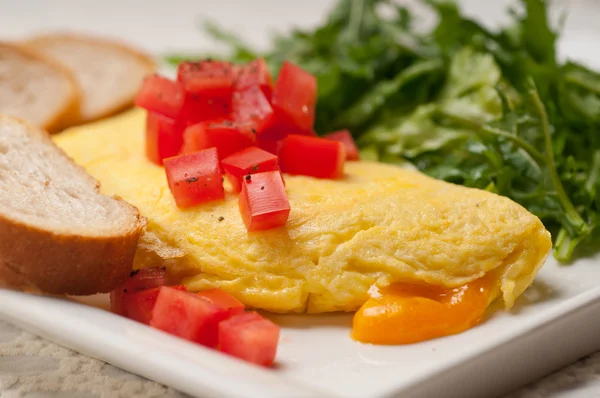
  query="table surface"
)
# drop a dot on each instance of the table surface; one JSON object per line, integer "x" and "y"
{"x": 32, "y": 367}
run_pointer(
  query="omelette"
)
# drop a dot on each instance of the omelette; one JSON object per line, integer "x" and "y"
{"x": 381, "y": 231}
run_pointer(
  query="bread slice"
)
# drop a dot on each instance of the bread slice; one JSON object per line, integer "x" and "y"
{"x": 109, "y": 74}
{"x": 36, "y": 89}
{"x": 58, "y": 234}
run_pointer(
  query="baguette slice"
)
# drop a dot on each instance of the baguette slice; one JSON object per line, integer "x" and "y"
{"x": 58, "y": 234}
{"x": 109, "y": 74}
{"x": 36, "y": 89}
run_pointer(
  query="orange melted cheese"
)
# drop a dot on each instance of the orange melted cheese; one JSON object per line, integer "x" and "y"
{"x": 409, "y": 313}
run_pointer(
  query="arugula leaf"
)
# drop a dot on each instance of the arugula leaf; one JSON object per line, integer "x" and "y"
{"x": 492, "y": 109}
{"x": 377, "y": 96}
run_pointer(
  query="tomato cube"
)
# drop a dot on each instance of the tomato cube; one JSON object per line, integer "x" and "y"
{"x": 275, "y": 132}
{"x": 295, "y": 96}
{"x": 345, "y": 138}
{"x": 255, "y": 73}
{"x": 188, "y": 316}
{"x": 224, "y": 300}
{"x": 269, "y": 145}
{"x": 249, "y": 337}
{"x": 146, "y": 278}
{"x": 312, "y": 156}
{"x": 161, "y": 95}
{"x": 195, "y": 178}
{"x": 263, "y": 201}
{"x": 164, "y": 137}
{"x": 139, "y": 305}
{"x": 200, "y": 108}
{"x": 310, "y": 133}
{"x": 251, "y": 160}
{"x": 223, "y": 135}
{"x": 214, "y": 78}
{"x": 278, "y": 129}
{"x": 251, "y": 105}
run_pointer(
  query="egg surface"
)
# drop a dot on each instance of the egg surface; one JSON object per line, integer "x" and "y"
{"x": 379, "y": 225}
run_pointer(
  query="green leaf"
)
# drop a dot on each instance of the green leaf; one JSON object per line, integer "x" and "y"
{"x": 376, "y": 98}
{"x": 486, "y": 108}
{"x": 470, "y": 71}
{"x": 538, "y": 36}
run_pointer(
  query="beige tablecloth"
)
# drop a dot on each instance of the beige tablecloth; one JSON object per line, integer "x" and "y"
{"x": 31, "y": 367}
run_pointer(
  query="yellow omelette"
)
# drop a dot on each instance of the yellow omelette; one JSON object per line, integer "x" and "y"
{"x": 381, "y": 225}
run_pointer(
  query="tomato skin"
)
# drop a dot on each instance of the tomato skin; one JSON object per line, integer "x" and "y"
{"x": 278, "y": 129}
{"x": 195, "y": 178}
{"x": 295, "y": 97}
{"x": 139, "y": 305}
{"x": 263, "y": 201}
{"x": 200, "y": 108}
{"x": 211, "y": 78}
{"x": 297, "y": 131}
{"x": 271, "y": 146}
{"x": 251, "y": 160}
{"x": 188, "y": 316}
{"x": 160, "y": 95}
{"x": 249, "y": 337}
{"x": 255, "y": 73}
{"x": 251, "y": 105}
{"x": 312, "y": 156}
{"x": 164, "y": 137}
{"x": 275, "y": 132}
{"x": 345, "y": 138}
{"x": 145, "y": 278}
{"x": 224, "y": 300}
{"x": 221, "y": 134}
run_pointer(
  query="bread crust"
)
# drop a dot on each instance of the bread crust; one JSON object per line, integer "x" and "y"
{"x": 38, "y": 259}
{"x": 70, "y": 110}
{"x": 144, "y": 58}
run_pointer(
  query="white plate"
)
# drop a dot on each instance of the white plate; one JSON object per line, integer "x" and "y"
{"x": 556, "y": 322}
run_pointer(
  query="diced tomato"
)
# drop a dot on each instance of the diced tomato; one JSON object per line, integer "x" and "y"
{"x": 263, "y": 201}
{"x": 195, "y": 178}
{"x": 275, "y": 132}
{"x": 251, "y": 160}
{"x": 224, "y": 300}
{"x": 255, "y": 73}
{"x": 221, "y": 134}
{"x": 345, "y": 138}
{"x": 188, "y": 316}
{"x": 279, "y": 129}
{"x": 146, "y": 278}
{"x": 164, "y": 137}
{"x": 297, "y": 131}
{"x": 214, "y": 78}
{"x": 249, "y": 337}
{"x": 199, "y": 108}
{"x": 295, "y": 96}
{"x": 312, "y": 156}
{"x": 161, "y": 95}
{"x": 271, "y": 146}
{"x": 139, "y": 306}
{"x": 251, "y": 105}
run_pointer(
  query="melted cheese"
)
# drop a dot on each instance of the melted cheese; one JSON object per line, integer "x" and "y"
{"x": 408, "y": 313}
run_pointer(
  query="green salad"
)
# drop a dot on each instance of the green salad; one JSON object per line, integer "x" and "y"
{"x": 492, "y": 109}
